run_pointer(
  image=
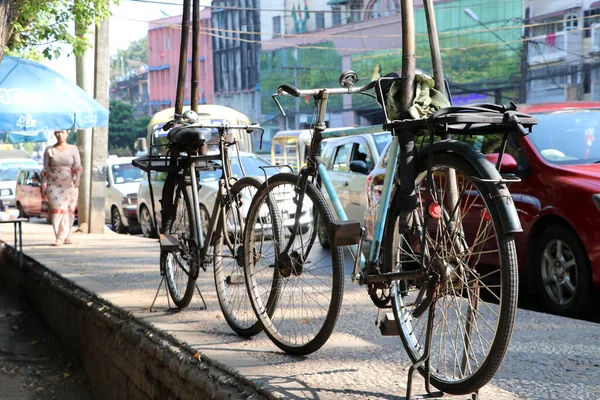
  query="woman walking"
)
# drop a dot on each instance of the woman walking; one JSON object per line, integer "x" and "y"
{"x": 60, "y": 177}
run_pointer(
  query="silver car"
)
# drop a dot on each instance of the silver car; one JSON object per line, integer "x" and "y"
{"x": 348, "y": 161}
{"x": 9, "y": 168}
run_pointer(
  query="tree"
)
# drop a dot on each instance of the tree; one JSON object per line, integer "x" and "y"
{"x": 38, "y": 28}
{"x": 124, "y": 128}
{"x": 136, "y": 53}
{"x": 6, "y": 7}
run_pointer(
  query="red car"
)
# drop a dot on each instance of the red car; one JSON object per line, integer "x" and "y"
{"x": 558, "y": 201}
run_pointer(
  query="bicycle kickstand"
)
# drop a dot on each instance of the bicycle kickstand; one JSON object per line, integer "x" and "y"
{"x": 204, "y": 307}
{"x": 162, "y": 279}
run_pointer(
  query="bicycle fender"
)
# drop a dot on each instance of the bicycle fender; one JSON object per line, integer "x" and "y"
{"x": 499, "y": 191}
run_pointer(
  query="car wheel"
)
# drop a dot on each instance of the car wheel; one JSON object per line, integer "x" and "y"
{"x": 22, "y": 213}
{"x": 563, "y": 272}
{"x": 146, "y": 223}
{"x": 117, "y": 221}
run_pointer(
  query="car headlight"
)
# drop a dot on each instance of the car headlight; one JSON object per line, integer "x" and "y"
{"x": 129, "y": 200}
{"x": 5, "y": 192}
{"x": 596, "y": 200}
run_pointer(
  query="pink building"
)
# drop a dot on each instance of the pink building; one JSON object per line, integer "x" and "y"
{"x": 164, "y": 42}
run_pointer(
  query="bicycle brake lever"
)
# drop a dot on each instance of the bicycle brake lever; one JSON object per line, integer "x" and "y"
{"x": 278, "y": 105}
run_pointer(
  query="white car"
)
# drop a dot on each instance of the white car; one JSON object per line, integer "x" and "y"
{"x": 120, "y": 200}
{"x": 209, "y": 182}
{"x": 9, "y": 168}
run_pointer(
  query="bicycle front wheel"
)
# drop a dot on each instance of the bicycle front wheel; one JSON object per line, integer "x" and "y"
{"x": 298, "y": 312}
{"x": 474, "y": 312}
{"x": 229, "y": 261}
{"x": 182, "y": 265}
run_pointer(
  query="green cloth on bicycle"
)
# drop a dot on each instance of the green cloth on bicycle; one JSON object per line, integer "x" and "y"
{"x": 427, "y": 99}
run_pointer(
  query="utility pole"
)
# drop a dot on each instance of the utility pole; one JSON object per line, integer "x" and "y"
{"x": 524, "y": 61}
{"x": 85, "y": 80}
{"x": 100, "y": 138}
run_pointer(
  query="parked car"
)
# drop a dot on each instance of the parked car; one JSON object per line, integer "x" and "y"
{"x": 9, "y": 168}
{"x": 209, "y": 182}
{"x": 28, "y": 193}
{"x": 120, "y": 201}
{"x": 348, "y": 161}
{"x": 558, "y": 201}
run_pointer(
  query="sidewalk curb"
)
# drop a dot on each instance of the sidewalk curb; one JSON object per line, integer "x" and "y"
{"x": 124, "y": 357}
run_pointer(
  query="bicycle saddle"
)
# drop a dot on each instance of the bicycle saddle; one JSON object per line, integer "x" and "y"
{"x": 189, "y": 136}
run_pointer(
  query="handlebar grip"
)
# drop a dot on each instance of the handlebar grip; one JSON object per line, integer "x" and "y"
{"x": 168, "y": 125}
{"x": 289, "y": 89}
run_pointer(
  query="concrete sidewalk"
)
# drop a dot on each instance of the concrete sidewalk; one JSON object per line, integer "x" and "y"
{"x": 356, "y": 363}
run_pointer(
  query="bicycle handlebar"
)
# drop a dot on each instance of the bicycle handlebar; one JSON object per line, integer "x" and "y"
{"x": 287, "y": 90}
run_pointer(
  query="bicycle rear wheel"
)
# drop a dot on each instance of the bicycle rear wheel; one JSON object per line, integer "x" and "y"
{"x": 182, "y": 265}
{"x": 308, "y": 295}
{"x": 229, "y": 261}
{"x": 477, "y": 297}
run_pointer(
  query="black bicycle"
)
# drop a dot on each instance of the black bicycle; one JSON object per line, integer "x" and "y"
{"x": 191, "y": 237}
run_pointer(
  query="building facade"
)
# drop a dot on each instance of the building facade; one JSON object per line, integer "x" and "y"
{"x": 131, "y": 87}
{"x": 311, "y": 48}
{"x": 563, "y": 50}
{"x": 164, "y": 43}
{"x": 236, "y": 54}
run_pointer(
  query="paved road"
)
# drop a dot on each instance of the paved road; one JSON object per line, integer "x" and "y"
{"x": 550, "y": 357}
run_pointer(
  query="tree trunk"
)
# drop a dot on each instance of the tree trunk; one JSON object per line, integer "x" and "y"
{"x": 6, "y": 7}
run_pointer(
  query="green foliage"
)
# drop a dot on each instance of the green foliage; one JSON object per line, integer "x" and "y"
{"x": 39, "y": 28}
{"x": 124, "y": 128}
{"x": 137, "y": 51}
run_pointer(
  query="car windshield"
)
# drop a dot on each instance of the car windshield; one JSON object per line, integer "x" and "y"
{"x": 127, "y": 173}
{"x": 252, "y": 166}
{"x": 381, "y": 139}
{"x": 568, "y": 136}
{"x": 8, "y": 173}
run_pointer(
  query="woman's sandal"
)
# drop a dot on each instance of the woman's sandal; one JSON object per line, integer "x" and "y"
{"x": 68, "y": 241}
{"x": 57, "y": 242}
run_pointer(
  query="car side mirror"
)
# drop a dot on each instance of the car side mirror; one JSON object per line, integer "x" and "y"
{"x": 359, "y": 167}
{"x": 36, "y": 184}
{"x": 508, "y": 163}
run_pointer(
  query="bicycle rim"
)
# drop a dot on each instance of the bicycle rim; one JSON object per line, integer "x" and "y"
{"x": 181, "y": 266}
{"x": 308, "y": 295}
{"x": 476, "y": 304}
{"x": 228, "y": 262}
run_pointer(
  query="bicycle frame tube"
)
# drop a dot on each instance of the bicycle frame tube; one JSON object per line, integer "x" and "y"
{"x": 384, "y": 202}
{"x": 196, "y": 205}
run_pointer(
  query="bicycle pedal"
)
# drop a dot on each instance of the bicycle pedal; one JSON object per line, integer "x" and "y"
{"x": 168, "y": 242}
{"x": 388, "y": 326}
{"x": 345, "y": 233}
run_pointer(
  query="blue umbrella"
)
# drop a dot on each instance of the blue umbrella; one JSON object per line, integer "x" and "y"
{"x": 35, "y": 98}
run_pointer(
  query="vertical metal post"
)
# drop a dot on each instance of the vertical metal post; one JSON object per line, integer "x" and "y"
{"x": 434, "y": 46}
{"x": 524, "y": 59}
{"x": 185, "y": 33}
{"x": 195, "y": 55}
{"x": 408, "y": 55}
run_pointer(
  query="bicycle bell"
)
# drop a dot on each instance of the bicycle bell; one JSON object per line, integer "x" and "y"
{"x": 190, "y": 116}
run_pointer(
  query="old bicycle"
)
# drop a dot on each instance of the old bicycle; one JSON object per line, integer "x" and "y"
{"x": 191, "y": 237}
{"x": 443, "y": 250}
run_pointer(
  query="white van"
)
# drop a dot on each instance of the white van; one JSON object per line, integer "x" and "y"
{"x": 120, "y": 200}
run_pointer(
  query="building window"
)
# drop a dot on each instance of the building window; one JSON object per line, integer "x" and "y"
{"x": 337, "y": 16}
{"x": 320, "y": 20}
{"x": 277, "y": 26}
{"x": 571, "y": 22}
{"x": 167, "y": 44}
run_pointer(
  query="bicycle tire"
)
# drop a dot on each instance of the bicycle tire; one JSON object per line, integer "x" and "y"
{"x": 483, "y": 342}
{"x": 182, "y": 265}
{"x": 289, "y": 311}
{"x": 228, "y": 261}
